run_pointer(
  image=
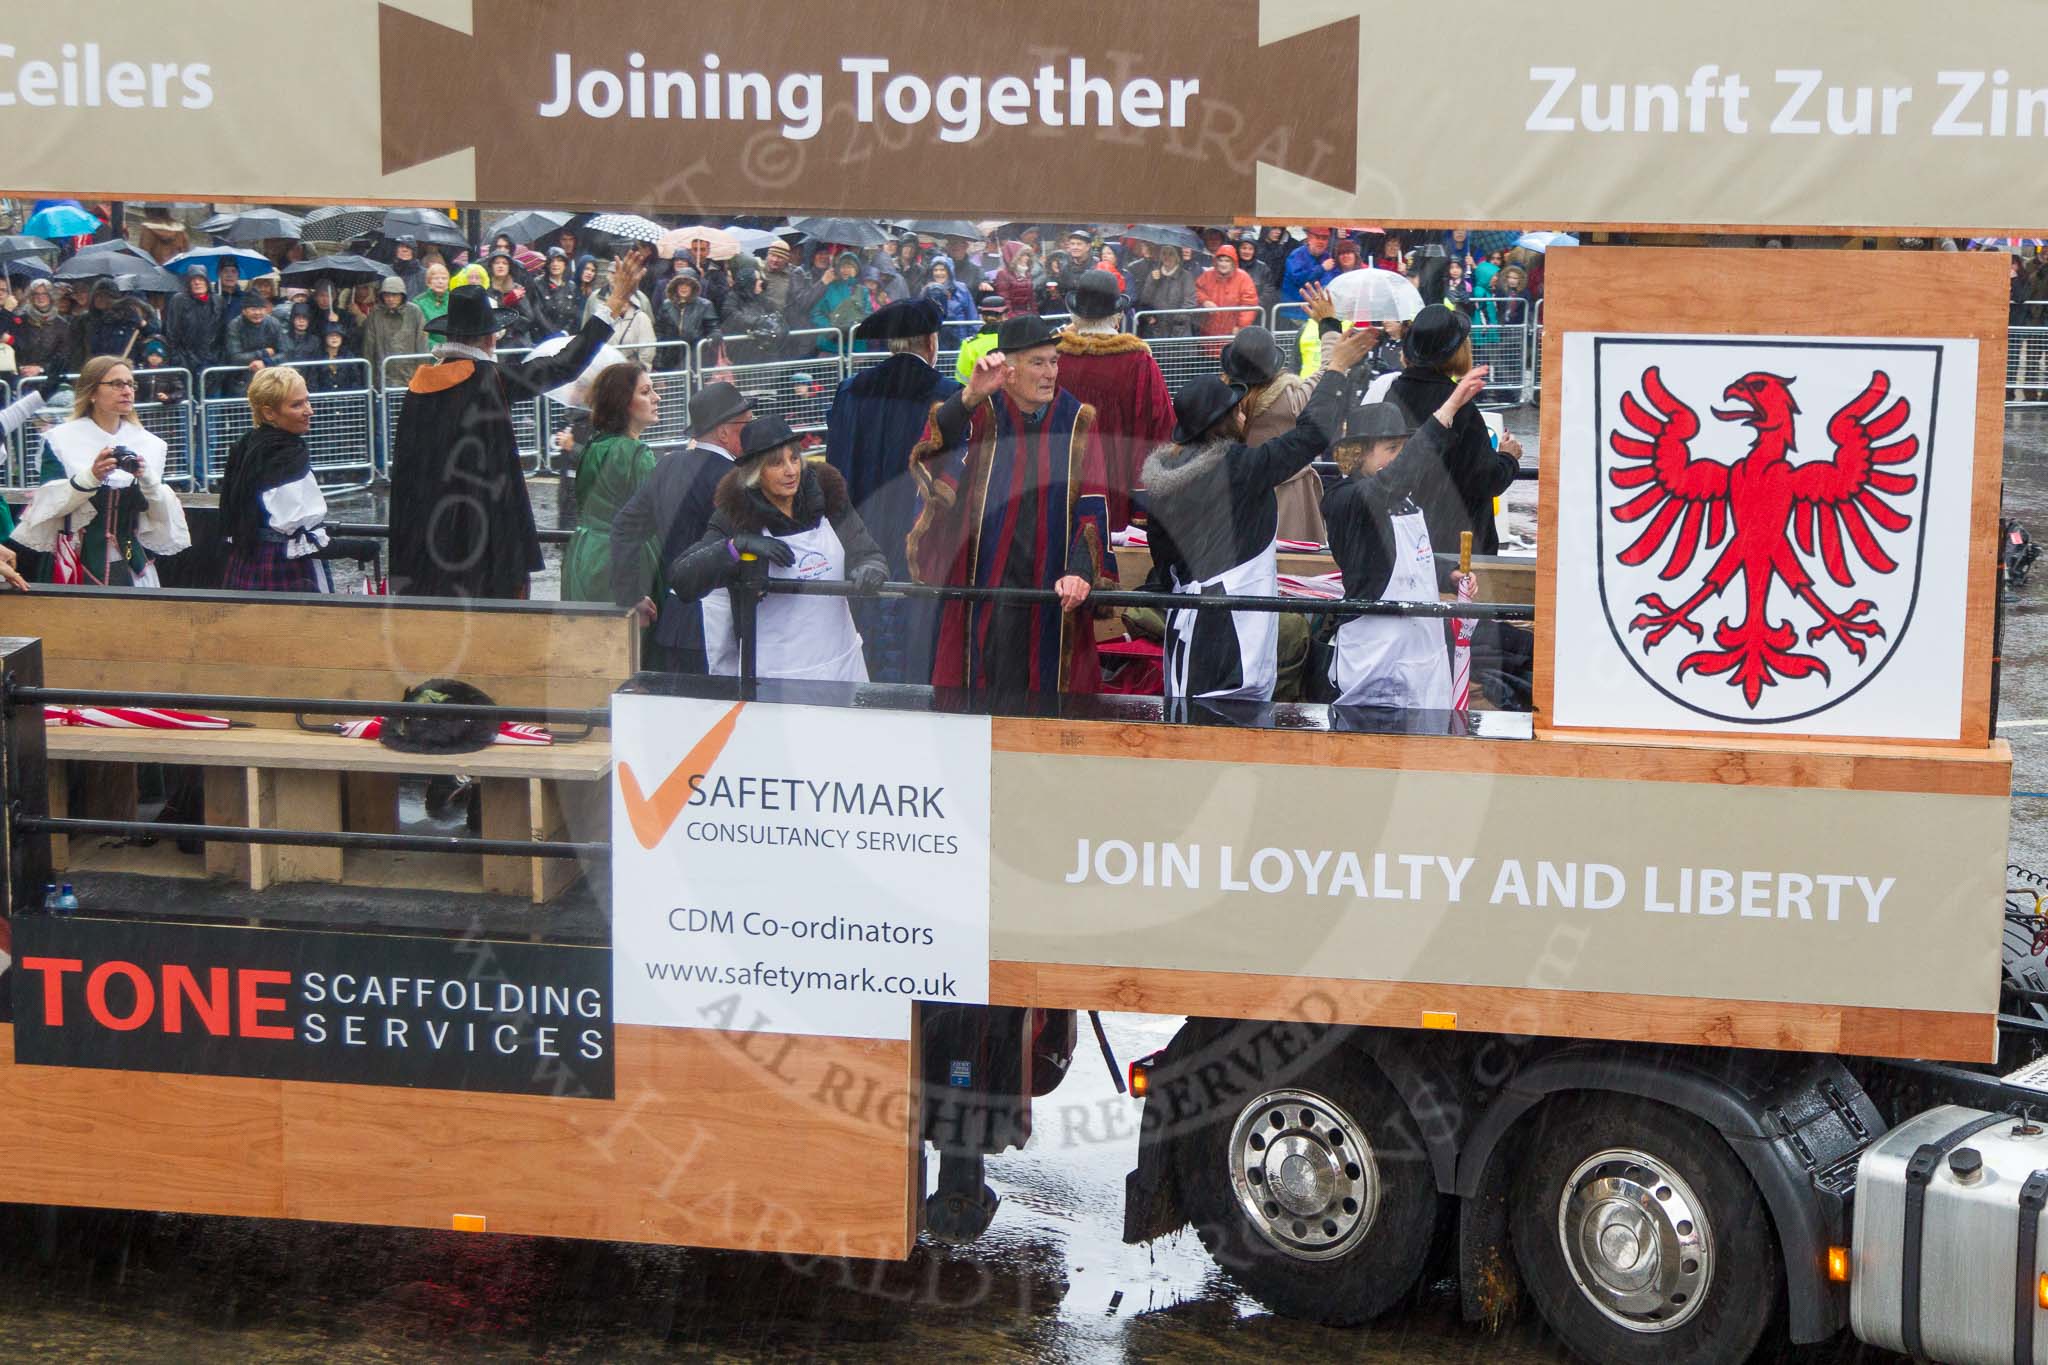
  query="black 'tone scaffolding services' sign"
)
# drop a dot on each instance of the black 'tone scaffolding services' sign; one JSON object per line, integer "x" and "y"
{"x": 286, "y": 1004}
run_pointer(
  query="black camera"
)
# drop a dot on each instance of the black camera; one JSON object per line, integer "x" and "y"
{"x": 124, "y": 458}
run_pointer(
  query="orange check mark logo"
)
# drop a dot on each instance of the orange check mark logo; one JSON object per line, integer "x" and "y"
{"x": 651, "y": 816}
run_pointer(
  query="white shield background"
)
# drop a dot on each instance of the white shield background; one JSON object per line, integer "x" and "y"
{"x": 1908, "y": 686}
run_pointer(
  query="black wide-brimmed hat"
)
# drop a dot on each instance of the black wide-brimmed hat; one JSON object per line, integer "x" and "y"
{"x": 903, "y": 319}
{"x": 1202, "y": 405}
{"x": 763, "y": 436}
{"x": 471, "y": 314}
{"x": 1095, "y": 295}
{"x": 1377, "y": 422}
{"x": 716, "y": 404}
{"x": 1025, "y": 333}
{"x": 1435, "y": 335}
{"x": 1253, "y": 357}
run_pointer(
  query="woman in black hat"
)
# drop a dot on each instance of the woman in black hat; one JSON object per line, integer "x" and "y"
{"x": 790, "y": 516}
{"x": 1439, "y": 353}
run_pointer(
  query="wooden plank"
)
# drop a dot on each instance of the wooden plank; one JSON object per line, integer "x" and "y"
{"x": 586, "y": 760}
{"x": 506, "y": 808}
{"x": 1845, "y": 766}
{"x": 550, "y": 821}
{"x": 1775, "y": 1025}
{"x": 370, "y": 802}
{"x": 296, "y": 798}
{"x": 227, "y": 803}
{"x": 133, "y": 1140}
{"x": 694, "y": 1151}
{"x": 1786, "y": 293}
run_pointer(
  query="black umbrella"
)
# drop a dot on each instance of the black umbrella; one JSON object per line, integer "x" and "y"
{"x": 432, "y": 228}
{"x": 108, "y": 258}
{"x": 342, "y": 223}
{"x": 154, "y": 280}
{"x": 15, "y": 246}
{"x": 841, "y": 231}
{"x": 254, "y": 225}
{"x": 25, "y": 268}
{"x": 942, "y": 227}
{"x": 528, "y": 226}
{"x": 340, "y": 269}
{"x": 1160, "y": 235}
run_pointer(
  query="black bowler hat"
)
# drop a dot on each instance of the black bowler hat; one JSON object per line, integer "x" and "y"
{"x": 715, "y": 405}
{"x": 901, "y": 319}
{"x": 1095, "y": 295}
{"x": 1377, "y": 422}
{"x": 1202, "y": 405}
{"x": 471, "y": 314}
{"x": 1025, "y": 333}
{"x": 1436, "y": 334}
{"x": 763, "y": 436}
{"x": 1252, "y": 357}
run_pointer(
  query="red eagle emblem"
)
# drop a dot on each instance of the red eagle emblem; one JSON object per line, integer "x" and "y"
{"x": 1764, "y": 519}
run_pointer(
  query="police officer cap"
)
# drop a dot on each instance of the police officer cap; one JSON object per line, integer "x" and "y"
{"x": 900, "y": 320}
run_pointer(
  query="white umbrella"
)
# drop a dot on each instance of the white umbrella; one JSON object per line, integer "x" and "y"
{"x": 1540, "y": 242}
{"x": 576, "y": 393}
{"x": 1375, "y": 296}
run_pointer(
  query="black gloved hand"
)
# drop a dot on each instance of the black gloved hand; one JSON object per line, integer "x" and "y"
{"x": 867, "y": 580}
{"x": 762, "y": 547}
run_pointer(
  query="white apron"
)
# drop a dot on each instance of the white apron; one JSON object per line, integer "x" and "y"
{"x": 1254, "y": 636}
{"x": 1397, "y": 660}
{"x": 798, "y": 636}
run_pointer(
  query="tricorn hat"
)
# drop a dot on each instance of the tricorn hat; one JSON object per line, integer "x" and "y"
{"x": 716, "y": 404}
{"x": 471, "y": 314}
{"x": 1202, "y": 405}
{"x": 1095, "y": 295}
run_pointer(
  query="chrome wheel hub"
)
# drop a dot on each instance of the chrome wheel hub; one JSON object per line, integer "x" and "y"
{"x": 1304, "y": 1174}
{"x": 1636, "y": 1239}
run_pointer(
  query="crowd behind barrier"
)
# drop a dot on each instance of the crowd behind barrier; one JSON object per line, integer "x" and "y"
{"x": 355, "y": 419}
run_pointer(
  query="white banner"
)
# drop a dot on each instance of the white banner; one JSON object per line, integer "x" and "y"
{"x": 1768, "y": 534}
{"x": 796, "y": 869}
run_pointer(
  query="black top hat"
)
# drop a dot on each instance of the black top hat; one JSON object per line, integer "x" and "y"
{"x": 1377, "y": 422}
{"x": 1253, "y": 357}
{"x": 763, "y": 436}
{"x": 1095, "y": 295}
{"x": 1436, "y": 334}
{"x": 471, "y": 314}
{"x": 715, "y": 405}
{"x": 1026, "y": 333}
{"x": 1202, "y": 405}
{"x": 901, "y": 319}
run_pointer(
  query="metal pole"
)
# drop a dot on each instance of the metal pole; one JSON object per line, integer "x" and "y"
{"x": 746, "y": 602}
{"x": 314, "y": 838}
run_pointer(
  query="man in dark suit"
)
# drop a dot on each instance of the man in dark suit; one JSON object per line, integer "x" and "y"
{"x": 672, "y": 508}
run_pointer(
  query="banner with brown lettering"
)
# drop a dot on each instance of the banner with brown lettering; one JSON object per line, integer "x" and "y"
{"x": 1891, "y": 115}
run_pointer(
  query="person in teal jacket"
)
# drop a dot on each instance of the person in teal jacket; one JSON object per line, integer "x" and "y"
{"x": 845, "y": 300}
{"x": 623, "y": 404}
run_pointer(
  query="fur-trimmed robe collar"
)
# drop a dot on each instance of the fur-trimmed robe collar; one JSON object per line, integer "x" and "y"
{"x": 820, "y": 497}
{"x": 1100, "y": 343}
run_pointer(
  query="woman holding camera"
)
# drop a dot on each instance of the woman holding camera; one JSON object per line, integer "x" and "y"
{"x": 271, "y": 508}
{"x": 105, "y": 515}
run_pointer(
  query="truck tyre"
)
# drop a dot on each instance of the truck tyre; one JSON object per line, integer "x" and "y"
{"x": 1317, "y": 1196}
{"x": 1640, "y": 1236}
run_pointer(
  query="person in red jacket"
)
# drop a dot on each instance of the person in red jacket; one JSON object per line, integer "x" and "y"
{"x": 1223, "y": 285}
{"x": 1013, "y": 281}
{"x": 1114, "y": 373}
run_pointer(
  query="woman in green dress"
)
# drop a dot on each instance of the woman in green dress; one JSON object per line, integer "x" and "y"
{"x": 623, "y": 404}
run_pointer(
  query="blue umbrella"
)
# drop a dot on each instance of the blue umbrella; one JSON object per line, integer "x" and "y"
{"x": 1542, "y": 241}
{"x": 1484, "y": 242}
{"x": 55, "y": 218}
{"x": 212, "y": 258}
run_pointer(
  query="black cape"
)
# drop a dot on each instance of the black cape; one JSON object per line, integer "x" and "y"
{"x": 461, "y": 524}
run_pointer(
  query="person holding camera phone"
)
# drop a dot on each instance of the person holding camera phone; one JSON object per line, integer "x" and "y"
{"x": 104, "y": 514}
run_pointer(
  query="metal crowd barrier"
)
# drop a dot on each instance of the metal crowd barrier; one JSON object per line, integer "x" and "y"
{"x": 2026, "y": 357}
{"x": 529, "y": 428}
{"x": 798, "y": 390}
{"x": 343, "y": 440}
{"x": 1183, "y": 359}
{"x": 171, "y": 419}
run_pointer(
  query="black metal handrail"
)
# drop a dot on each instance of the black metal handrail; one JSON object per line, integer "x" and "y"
{"x": 313, "y": 838}
{"x": 1171, "y": 601}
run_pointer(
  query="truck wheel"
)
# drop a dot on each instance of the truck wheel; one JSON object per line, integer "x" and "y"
{"x": 1318, "y": 1199}
{"x": 1641, "y": 1237}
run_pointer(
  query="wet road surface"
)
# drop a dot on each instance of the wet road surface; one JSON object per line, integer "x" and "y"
{"x": 1050, "y": 1281}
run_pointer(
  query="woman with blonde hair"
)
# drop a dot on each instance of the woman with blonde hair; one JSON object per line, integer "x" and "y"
{"x": 272, "y": 512}
{"x": 104, "y": 514}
